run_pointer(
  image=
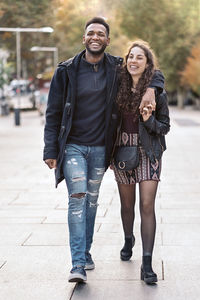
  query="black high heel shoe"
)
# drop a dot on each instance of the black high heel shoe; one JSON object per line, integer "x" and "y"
{"x": 147, "y": 273}
{"x": 126, "y": 251}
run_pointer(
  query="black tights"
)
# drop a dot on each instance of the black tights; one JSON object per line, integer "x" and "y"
{"x": 147, "y": 191}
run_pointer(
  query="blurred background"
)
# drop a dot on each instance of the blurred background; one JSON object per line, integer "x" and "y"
{"x": 28, "y": 59}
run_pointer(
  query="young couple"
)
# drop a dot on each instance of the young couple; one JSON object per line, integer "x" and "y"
{"x": 95, "y": 103}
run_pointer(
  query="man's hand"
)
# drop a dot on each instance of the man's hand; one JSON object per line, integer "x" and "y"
{"x": 147, "y": 99}
{"x": 51, "y": 163}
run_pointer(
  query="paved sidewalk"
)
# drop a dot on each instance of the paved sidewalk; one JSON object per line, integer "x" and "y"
{"x": 34, "y": 250}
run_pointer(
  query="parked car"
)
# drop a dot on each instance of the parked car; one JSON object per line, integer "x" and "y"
{"x": 21, "y": 94}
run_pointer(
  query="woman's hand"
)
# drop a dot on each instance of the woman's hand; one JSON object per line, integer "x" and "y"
{"x": 148, "y": 98}
{"x": 147, "y": 112}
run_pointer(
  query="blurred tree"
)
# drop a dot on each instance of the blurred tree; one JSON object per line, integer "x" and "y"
{"x": 24, "y": 13}
{"x": 169, "y": 28}
{"x": 70, "y": 21}
{"x": 190, "y": 77}
{"x": 5, "y": 73}
{"x": 68, "y": 27}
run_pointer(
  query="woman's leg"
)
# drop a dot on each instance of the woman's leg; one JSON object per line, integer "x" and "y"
{"x": 147, "y": 211}
{"x": 148, "y": 228}
{"x": 127, "y": 197}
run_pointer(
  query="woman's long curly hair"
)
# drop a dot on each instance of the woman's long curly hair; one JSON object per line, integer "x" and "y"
{"x": 128, "y": 100}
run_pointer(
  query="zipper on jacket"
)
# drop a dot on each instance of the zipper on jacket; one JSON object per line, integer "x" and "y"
{"x": 118, "y": 64}
{"x": 116, "y": 140}
{"x": 62, "y": 130}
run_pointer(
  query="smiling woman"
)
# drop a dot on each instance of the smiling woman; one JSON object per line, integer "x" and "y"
{"x": 140, "y": 144}
{"x": 136, "y": 64}
{"x": 137, "y": 74}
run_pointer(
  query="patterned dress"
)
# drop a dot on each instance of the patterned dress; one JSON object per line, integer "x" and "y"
{"x": 129, "y": 136}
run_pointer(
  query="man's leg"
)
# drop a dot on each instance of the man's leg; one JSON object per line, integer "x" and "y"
{"x": 96, "y": 170}
{"x": 75, "y": 172}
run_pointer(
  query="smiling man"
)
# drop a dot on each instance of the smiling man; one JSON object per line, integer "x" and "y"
{"x": 81, "y": 121}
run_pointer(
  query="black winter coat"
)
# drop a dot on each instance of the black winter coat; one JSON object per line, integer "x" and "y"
{"x": 61, "y": 104}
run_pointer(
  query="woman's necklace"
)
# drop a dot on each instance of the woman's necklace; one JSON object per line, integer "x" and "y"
{"x": 133, "y": 89}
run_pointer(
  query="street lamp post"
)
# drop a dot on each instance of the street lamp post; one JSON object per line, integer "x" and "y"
{"x": 18, "y": 58}
{"x": 49, "y": 49}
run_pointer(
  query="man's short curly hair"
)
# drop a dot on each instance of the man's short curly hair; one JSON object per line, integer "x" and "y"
{"x": 98, "y": 20}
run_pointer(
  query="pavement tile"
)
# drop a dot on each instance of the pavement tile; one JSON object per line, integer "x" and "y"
{"x": 168, "y": 219}
{"x": 24, "y": 212}
{"x": 116, "y": 238}
{"x": 172, "y": 196}
{"x": 48, "y": 235}
{"x": 28, "y": 208}
{"x": 120, "y": 270}
{"x": 126, "y": 290}
{"x": 181, "y": 234}
{"x": 110, "y": 228}
{"x": 56, "y": 216}
{"x": 2, "y": 263}
{"x": 37, "y": 263}
{"x": 18, "y": 220}
{"x": 14, "y": 234}
{"x": 184, "y": 271}
{"x": 181, "y": 254}
{"x": 195, "y": 204}
{"x": 39, "y": 198}
{"x": 7, "y": 197}
{"x": 62, "y": 206}
{"x": 32, "y": 290}
{"x": 111, "y": 252}
{"x": 190, "y": 212}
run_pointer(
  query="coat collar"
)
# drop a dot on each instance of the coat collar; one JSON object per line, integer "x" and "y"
{"x": 74, "y": 61}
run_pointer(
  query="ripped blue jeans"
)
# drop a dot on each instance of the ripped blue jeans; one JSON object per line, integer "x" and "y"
{"x": 83, "y": 168}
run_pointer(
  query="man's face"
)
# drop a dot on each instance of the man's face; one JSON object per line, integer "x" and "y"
{"x": 95, "y": 38}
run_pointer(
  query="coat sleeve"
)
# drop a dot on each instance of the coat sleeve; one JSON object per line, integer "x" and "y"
{"x": 54, "y": 114}
{"x": 158, "y": 82}
{"x": 159, "y": 123}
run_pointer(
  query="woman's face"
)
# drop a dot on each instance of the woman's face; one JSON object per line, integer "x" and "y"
{"x": 136, "y": 62}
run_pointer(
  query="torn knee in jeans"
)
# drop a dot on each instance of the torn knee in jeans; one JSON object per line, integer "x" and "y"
{"x": 78, "y": 195}
{"x": 76, "y": 179}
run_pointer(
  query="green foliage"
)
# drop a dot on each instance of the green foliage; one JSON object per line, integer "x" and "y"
{"x": 169, "y": 28}
{"x": 190, "y": 77}
{"x": 70, "y": 21}
{"x": 5, "y": 73}
{"x": 25, "y": 13}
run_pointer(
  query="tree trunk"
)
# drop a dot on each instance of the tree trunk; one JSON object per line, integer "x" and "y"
{"x": 180, "y": 98}
{"x": 197, "y": 103}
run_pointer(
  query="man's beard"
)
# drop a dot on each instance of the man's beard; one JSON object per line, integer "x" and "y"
{"x": 98, "y": 52}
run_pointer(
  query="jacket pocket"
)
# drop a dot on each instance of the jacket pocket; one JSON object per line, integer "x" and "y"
{"x": 157, "y": 147}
